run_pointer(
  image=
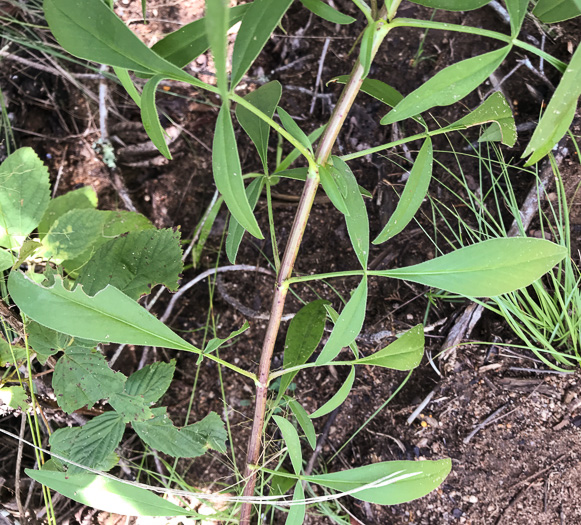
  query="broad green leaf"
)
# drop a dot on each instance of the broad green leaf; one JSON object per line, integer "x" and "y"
{"x": 293, "y": 128}
{"x": 228, "y": 173}
{"x": 295, "y": 153}
{"x": 452, "y": 5}
{"x": 448, "y": 86}
{"x": 257, "y": 25}
{"x": 83, "y": 198}
{"x": 190, "y": 41}
{"x": 551, "y": 11}
{"x": 152, "y": 381}
{"x": 24, "y": 196}
{"x": 130, "y": 408}
{"x": 357, "y": 220}
{"x": 292, "y": 441}
{"x": 109, "y": 495}
{"x": 11, "y": 354}
{"x": 46, "y": 342}
{"x": 348, "y": 324}
{"x": 90, "y": 30}
{"x": 110, "y": 316}
{"x": 7, "y": 259}
{"x": 485, "y": 269}
{"x": 14, "y": 396}
{"x": 413, "y": 194}
{"x": 82, "y": 377}
{"x": 216, "y": 342}
{"x": 125, "y": 79}
{"x": 266, "y": 99}
{"x": 397, "y": 481}
{"x": 366, "y": 48}
{"x": 235, "y": 231}
{"x": 211, "y": 430}
{"x": 326, "y": 12}
{"x": 517, "y": 9}
{"x": 404, "y": 353}
{"x": 150, "y": 116}
{"x": 302, "y": 338}
{"x": 494, "y": 109}
{"x": 331, "y": 187}
{"x": 296, "y": 513}
{"x": 338, "y": 398}
{"x": 304, "y": 422}
{"x": 217, "y": 24}
{"x": 559, "y": 114}
{"x": 90, "y": 445}
{"x": 134, "y": 263}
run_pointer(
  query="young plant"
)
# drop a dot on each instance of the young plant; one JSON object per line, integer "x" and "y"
{"x": 89, "y": 29}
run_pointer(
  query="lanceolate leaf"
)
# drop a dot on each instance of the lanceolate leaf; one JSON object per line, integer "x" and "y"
{"x": 413, "y": 194}
{"x": 452, "y": 5}
{"x": 517, "y": 9}
{"x": 150, "y": 116}
{"x": 448, "y": 86}
{"x": 228, "y": 173}
{"x": 292, "y": 441}
{"x": 109, "y": 495}
{"x": 485, "y": 269}
{"x": 216, "y": 28}
{"x": 293, "y": 128}
{"x": 551, "y": 11}
{"x": 326, "y": 12}
{"x": 376, "y": 89}
{"x": 338, "y": 398}
{"x": 304, "y": 422}
{"x": 125, "y": 79}
{"x": 257, "y": 25}
{"x": 366, "y": 49}
{"x": 331, "y": 187}
{"x": 296, "y": 514}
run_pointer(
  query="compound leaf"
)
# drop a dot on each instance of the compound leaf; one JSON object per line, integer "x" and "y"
{"x": 517, "y": 9}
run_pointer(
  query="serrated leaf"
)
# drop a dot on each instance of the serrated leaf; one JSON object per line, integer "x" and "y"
{"x": 326, "y": 12}
{"x": 292, "y": 441}
{"x": 130, "y": 408}
{"x": 348, "y": 324}
{"x": 296, "y": 514}
{"x": 413, "y": 194}
{"x": 304, "y": 422}
{"x": 14, "y": 396}
{"x": 46, "y": 342}
{"x": 338, "y": 398}
{"x": 134, "y": 263}
{"x": 551, "y": 11}
{"x": 517, "y": 9}
{"x": 293, "y": 128}
{"x": 150, "y": 116}
{"x": 448, "y": 86}
{"x": 152, "y": 381}
{"x": 485, "y": 269}
{"x": 397, "y": 481}
{"x": 82, "y": 377}
{"x": 24, "y": 196}
{"x": 217, "y": 24}
{"x": 452, "y": 5}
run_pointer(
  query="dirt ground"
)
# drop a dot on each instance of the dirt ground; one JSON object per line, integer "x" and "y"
{"x": 510, "y": 426}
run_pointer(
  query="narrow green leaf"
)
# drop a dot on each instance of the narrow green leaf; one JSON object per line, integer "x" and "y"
{"x": 292, "y": 441}
{"x": 152, "y": 381}
{"x": 257, "y": 25}
{"x": 366, "y": 48}
{"x": 448, "y": 86}
{"x": 295, "y": 153}
{"x": 404, "y": 353}
{"x": 517, "y": 9}
{"x": 413, "y": 194}
{"x": 376, "y": 89}
{"x": 109, "y": 495}
{"x": 338, "y": 398}
{"x": 293, "y": 128}
{"x": 559, "y": 113}
{"x": 485, "y": 269}
{"x": 217, "y": 25}
{"x": 228, "y": 173}
{"x": 326, "y": 12}
{"x": 216, "y": 342}
{"x": 296, "y": 514}
{"x": 452, "y": 5}
{"x": 150, "y": 116}
{"x": 348, "y": 324}
{"x": 110, "y": 316}
{"x": 125, "y": 79}
{"x": 304, "y": 422}
{"x": 331, "y": 187}
{"x": 397, "y": 481}
{"x": 551, "y": 11}
{"x": 204, "y": 229}
{"x": 266, "y": 99}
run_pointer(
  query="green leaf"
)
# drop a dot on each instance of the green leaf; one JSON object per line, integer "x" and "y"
{"x": 448, "y": 86}
{"x": 485, "y": 269}
{"x": 348, "y": 325}
{"x": 109, "y": 495}
{"x": 134, "y": 263}
{"x": 397, "y": 481}
{"x": 90, "y": 445}
{"x": 24, "y": 196}
{"x": 338, "y": 398}
{"x": 228, "y": 173}
{"x": 235, "y": 231}
{"x": 366, "y": 49}
{"x": 82, "y": 377}
{"x": 452, "y": 5}
{"x": 152, "y": 381}
{"x": 110, "y": 316}
{"x": 216, "y": 342}
{"x": 551, "y": 11}
{"x": 413, "y": 194}
{"x": 14, "y": 396}
{"x": 295, "y": 153}
{"x": 331, "y": 187}
{"x": 376, "y": 89}
{"x": 296, "y": 514}
{"x": 130, "y": 408}
{"x": 11, "y": 354}
{"x": 304, "y": 422}
{"x": 217, "y": 24}
{"x": 326, "y": 12}
{"x": 150, "y": 116}
{"x": 293, "y": 128}
{"x": 46, "y": 342}
{"x": 190, "y": 41}
{"x": 125, "y": 79}
{"x": 302, "y": 338}
{"x": 265, "y": 98}
{"x": 357, "y": 220}
{"x": 204, "y": 228}
{"x": 517, "y": 9}
{"x": 81, "y": 199}
{"x": 404, "y": 353}
{"x": 7, "y": 259}
{"x": 280, "y": 485}
{"x": 559, "y": 113}
{"x": 293, "y": 443}
{"x": 257, "y": 25}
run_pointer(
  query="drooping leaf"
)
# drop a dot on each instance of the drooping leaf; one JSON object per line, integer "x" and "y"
{"x": 150, "y": 116}
{"x": 296, "y": 514}
{"x": 413, "y": 194}
{"x": 517, "y": 9}
{"x": 348, "y": 324}
{"x": 14, "y": 396}
{"x": 452, "y": 5}
{"x": 257, "y": 25}
{"x": 448, "y": 86}
{"x": 217, "y": 24}
{"x": 326, "y": 12}
{"x": 228, "y": 173}
{"x": 551, "y": 11}
{"x": 304, "y": 422}
{"x": 152, "y": 381}
{"x": 397, "y": 481}
{"x": 125, "y": 79}
{"x": 292, "y": 441}
{"x": 293, "y": 128}
{"x": 24, "y": 196}
{"x": 338, "y": 398}
{"x": 331, "y": 187}
{"x": 109, "y": 495}
{"x": 404, "y": 353}
{"x": 485, "y": 269}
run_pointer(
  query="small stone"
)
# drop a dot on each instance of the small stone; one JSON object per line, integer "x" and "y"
{"x": 473, "y": 499}
{"x": 457, "y": 512}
